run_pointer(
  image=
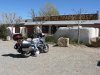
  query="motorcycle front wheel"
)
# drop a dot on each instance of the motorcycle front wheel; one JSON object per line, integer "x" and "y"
{"x": 46, "y": 48}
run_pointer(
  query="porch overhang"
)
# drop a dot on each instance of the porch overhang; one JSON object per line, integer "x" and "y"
{"x": 64, "y": 22}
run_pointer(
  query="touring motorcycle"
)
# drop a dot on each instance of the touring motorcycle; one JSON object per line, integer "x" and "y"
{"x": 31, "y": 47}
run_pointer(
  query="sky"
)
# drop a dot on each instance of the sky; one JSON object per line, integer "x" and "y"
{"x": 23, "y": 7}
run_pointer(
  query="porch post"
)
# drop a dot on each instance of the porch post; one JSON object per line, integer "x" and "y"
{"x": 49, "y": 29}
{"x": 41, "y": 27}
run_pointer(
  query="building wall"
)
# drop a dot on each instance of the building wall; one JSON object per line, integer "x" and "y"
{"x": 86, "y": 33}
{"x": 95, "y": 16}
{"x": 52, "y": 28}
{"x": 30, "y": 30}
{"x": 69, "y": 17}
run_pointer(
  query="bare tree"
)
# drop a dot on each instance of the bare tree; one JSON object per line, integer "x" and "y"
{"x": 79, "y": 21}
{"x": 9, "y": 18}
{"x": 34, "y": 19}
{"x": 33, "y": 14}
{"x": 45, "y": 12}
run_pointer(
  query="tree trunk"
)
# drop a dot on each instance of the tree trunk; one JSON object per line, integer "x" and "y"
{"x": 78, "y": 41}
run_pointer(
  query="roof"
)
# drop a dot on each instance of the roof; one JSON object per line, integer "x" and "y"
{"x": 63, "y": 22}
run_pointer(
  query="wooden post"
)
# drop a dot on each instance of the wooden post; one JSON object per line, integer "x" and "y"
{"x": 49, "y": 29}
{"x": 41, "y": 27}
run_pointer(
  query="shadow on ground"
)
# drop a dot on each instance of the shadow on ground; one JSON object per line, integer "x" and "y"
{"x": 98, "y": 64}
{"x": 14, "y": 55}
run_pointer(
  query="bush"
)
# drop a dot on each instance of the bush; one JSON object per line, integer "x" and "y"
{"x": 73, "y": 41}
{"x": 49, "y": 38}
{"x": 3, "y": 31}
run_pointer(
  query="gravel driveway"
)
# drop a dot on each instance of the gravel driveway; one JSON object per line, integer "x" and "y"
{"x": 58, "y": 61}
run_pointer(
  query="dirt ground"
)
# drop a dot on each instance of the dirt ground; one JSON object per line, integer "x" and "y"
{"x": 73, "y": 60}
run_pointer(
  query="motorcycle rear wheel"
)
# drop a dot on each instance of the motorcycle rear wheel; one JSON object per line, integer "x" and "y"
{"x": 27, "y": 54}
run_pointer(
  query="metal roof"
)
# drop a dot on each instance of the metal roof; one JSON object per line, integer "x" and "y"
{"x": 63, "y": 22}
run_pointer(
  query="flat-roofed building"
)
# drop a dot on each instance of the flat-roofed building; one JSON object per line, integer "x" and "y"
{"x": 50, "y": 24}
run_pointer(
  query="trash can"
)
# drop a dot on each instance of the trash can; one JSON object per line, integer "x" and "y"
{"x": 8, "y": 38}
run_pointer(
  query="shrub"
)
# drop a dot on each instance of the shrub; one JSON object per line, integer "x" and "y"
{"x": 3, "y": 31}
{"x": 73, "y": 41}
{"x": 49, "y": 38}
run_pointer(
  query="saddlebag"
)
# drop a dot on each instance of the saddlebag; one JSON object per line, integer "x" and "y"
{"x": 25, "y": 45}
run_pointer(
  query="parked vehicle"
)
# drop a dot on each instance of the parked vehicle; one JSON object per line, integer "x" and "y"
{"x": 31, "y": 47}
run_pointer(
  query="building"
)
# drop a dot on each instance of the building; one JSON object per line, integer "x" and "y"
{"x": 51, "y": 23}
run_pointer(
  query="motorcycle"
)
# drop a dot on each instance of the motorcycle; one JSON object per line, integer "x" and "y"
{"x": 32, "y": 47}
